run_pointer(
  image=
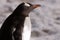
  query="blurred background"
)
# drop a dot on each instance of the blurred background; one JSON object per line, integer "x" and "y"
{"x": 45, "y": 19}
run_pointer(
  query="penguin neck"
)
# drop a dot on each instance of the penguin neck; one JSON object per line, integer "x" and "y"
{"x": 22, "y": 19}
{"x": 27, "y": 29}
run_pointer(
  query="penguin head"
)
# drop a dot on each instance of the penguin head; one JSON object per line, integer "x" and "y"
{"x": 25, "y": 8}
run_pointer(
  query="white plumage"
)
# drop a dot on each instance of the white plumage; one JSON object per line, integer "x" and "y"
{"x": 27, "y": 29}
{"x": 26, "y": 4}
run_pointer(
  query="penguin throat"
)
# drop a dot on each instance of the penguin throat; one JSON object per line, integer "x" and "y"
{"x": 27, "y": 29}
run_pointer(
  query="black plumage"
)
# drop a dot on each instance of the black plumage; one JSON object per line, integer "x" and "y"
{"x": 15, "y": 21}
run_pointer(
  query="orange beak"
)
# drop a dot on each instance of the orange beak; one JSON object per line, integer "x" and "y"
{"x": 37, "y": 5}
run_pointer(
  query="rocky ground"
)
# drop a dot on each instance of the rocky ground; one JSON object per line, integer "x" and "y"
{"x": 45, "y": 20}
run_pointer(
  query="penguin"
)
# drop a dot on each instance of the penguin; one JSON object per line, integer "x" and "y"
{"x": 13, "y": 28}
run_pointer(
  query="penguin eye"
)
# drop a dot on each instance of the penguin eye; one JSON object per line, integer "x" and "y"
{"x": 26, "y": 4}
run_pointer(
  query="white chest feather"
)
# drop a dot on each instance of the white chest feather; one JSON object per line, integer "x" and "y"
{"x": 27, "y": 29}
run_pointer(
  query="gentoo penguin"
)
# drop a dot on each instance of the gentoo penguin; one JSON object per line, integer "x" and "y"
{"x": 14, "y": 27}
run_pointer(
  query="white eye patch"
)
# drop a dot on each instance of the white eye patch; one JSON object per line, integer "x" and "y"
{"x": 26, "y": 4}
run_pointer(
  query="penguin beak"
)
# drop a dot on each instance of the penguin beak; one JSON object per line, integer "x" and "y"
{"x": 37, "y": 5}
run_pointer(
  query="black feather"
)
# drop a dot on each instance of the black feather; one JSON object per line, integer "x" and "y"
{"x": 15, "y": 20}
